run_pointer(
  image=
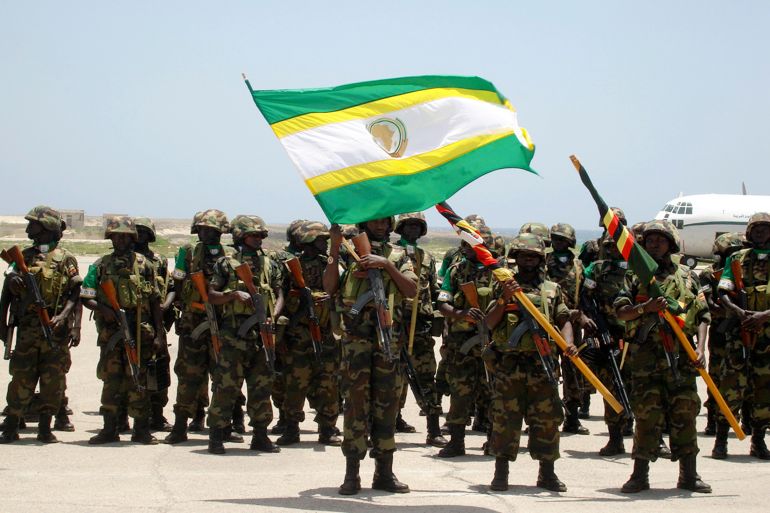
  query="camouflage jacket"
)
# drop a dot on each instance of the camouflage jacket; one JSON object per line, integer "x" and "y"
{"x": 428, "y": 280}
{"x": 604, "y": 280}
{"x": 56, "y": 273}
{"x": 566, "y": 270}
{"x": 460, "y": 272}
{"x": 190, "y": 259}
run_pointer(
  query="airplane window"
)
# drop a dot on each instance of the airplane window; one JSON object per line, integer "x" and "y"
{"x": 668, "y": 207}
{"x": 688, "y": 210}
{"x": 679, "y": 209}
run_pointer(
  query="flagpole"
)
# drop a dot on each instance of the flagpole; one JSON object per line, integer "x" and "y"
{"x": 248, "y": 84}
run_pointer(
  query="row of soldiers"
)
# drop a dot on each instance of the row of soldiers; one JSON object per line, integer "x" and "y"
{"x": 496, "y": 365}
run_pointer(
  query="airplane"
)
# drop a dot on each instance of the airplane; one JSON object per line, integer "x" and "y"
{"x": 701, "y": 218}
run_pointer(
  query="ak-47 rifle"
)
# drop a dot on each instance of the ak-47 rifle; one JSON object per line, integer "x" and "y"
{"x": 307, "y": 303}
{"x": 482, "y": 337}
{"x": 377, "y": 294}
{"x": 421, "y": 395}
{"x": 210, "y": 324}
{"x": 124, "y": 334}
{"x": 33, "y": 295}
{"x": 741, "y": 301}
{"x": 668, "y": 346}
{"x": 266, "y": 328}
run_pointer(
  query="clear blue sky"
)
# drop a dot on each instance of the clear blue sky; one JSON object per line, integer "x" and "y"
{"x": 138, "y": 107}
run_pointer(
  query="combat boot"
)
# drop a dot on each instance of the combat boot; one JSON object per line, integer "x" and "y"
{"x": 108, "y": 434}
{"x": 456, "y": 445}
{"x": 434, "y": 437}
{"x": 403, "y": 427}
{"x": 758, "y": 446}
{"x": 384, "y": 478}
{"x": 719, "y": 452}
{"x": 711, "y": 421}
{"x": 280, "y": 425}
{"x": 62, "y": 420}
{"x": 746, "y": 425}
{"x": 480, "y": 422}
{"x": 216, "y": 437}
{"x": 231, "y": 436}
{"x": 123, "y": 425}
{"x": 158, "y": 421}
{"x": 663, "y": 450}
{"x": 640, "y": 478}
{"x": 584, "y": 411}
{"x": 615, "y": 444}
{"x": 290, "y": 435}
{"x": 198, "y": 422}
{"x": 327, "y": 436}
{"x": 261, "y": 442}
{"x": 500, "y": 480}
{"x": 688, "y": 476}
{"x": 10, "y": 429}
{"x": 546, "y": 478}
{"x": 572, "y": 422}
{"x": 141, "y": 433}
{"x": 238, "y": 420}
{"x": 628, "y": 427}
{"x": 352, "y": 483}
{"x": 44, "y": 430}
{"x": 178, "y": 431}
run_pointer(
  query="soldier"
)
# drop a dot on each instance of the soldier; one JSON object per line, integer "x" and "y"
{"x": 521, "y": 384}
{"x": 591, "y": 249}
{"x": 35, "y": 359}
{"x": 304, "y": 371}
{"x": 242, "y": 357}
{"x": 411, "y": 227}
{"x": 655, "y": 391}
{"x": 747, "y": 364}
{"x": 193, "y": 360}
{"x": 134, "y": 281}
{"x": 371, "y": 382}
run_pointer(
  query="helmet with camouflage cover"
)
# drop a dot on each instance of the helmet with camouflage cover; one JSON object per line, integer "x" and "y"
{"x": 243, "y": 225}
{"x": 392, "y": 220}
{"x": 538, "y": 229}
{"x": 665, "y": 228}
{"x": 291, "y": 228}
{"x": 527, "y": 241}
{"x": 564, "y": 230}
{"x": 414, "y": 216}
{"x": 145, "y": 222}
{"x": 119, "y": 224}
{"x": 498, "y": 246}
{"x": 726, "y": 242}
{"x": 618, "y": 212}
{"x": 50, "y": 218}
{"x": 309, "y": 231}
{"x": 486, "y": 234}
{"x": 349, "y": 230}
{"x": 638, "y": 230}
{"x": 212, "y": 218}
{"x": 475, "y": 220}
{"x": 758, "y": 218}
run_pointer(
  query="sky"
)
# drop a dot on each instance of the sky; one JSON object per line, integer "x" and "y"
{"x": 139, "y": 107}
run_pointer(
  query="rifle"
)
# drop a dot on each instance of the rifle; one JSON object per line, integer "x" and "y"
{"x": 375, "y": 293}
{"x": 425, "y": 402}
{"x": 33, "y": 295}
{"x": 124, "y": 334}
{"x": 266, "y": 329}
{"x": 741, "y": 301}
{"x": 482, "y": 337}
{"x": 668, "y": 346}
{"x": 8, "y": 319}
{"x": 307, "y": 304}
{"x": 199, "y": 280}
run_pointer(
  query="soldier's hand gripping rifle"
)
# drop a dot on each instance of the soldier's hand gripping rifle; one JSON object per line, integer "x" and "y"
{"x": 199, "y": 281}
{"x": 740, "y": 300}
{"x": 266, "y": 328}
{"x": 307, "y": 304}
{"x": 124, "y": 334}
{"x": 33, "y": 295}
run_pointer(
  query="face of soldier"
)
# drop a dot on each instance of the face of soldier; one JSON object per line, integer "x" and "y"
{"x": 527, "y": 261}
{"x": 121, "y": 242}
{"x": 760, "y": 236}
{"x": 467, "y": 251}
{"x": 209, "y": 235}
{"x": 38, "y": 234}
{"x": 144, "y": 236}
{"x": 411, "y": 231}
{"x": 378, "y": 229}
{"x": 253, "y": 241}
{"x": 560, "y": 244}
{"x": 657, "y": 245}
{"x": 320, "y": 245}
{"x": 612, "y": 251}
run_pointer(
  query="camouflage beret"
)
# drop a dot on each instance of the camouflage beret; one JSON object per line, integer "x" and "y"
{"x": 212, "y": 218}
{"x": 50, "y": 218}
{"x": 145, "y": 222}
{"x": 418, "y": 217}
{"x": 119, "y": 224}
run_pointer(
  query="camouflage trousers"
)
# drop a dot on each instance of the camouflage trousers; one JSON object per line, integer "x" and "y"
{"x": 574, "y": 385}
{"x": 717, "y": 348}
{"x": 371, "y": 386}
{"x": 193, "y": 362}
{"x": 655, "y": 396}
{"x": 34, "y": 361}
{"x": 741, "y": 380}
{"x": 424, "y": 361}
{"x": 611, "y": 417}
{"x": 305, "y": 377}
{"x": 467, "y": 380}
{"x": 522, "y": 392}
{"x": 240, "y": 361}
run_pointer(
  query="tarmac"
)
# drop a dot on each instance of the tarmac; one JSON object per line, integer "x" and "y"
{"x": 72, "y": 476}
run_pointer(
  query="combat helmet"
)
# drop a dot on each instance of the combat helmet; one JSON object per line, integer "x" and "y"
{"x": 565, "y": 231}
{"x": 416, "y": 216}
{"x": 243, "y": 225}
{"x": 349, "y": 230}
{"x": 538, "y": 229}
{"x": 309, "y": 231}
{"x": 486, "y": 234}
{"x": 119, "y": 224}
{"x": 618, "y": 212}
{"x": 475, "y": 220}
{"x": 362, "y": 224}
{"x": 290, "y": 230}
{"x": 638, "y": 230}
{"x": 145, "y": 222}
{"x": 48, "y": 217}
{"x": 758, "y": 218}
{"x": 212, "y": 218}
{"x": 666, "y": 229}
{"x": 726, "y": 242}
{"x": 527, "y": 242}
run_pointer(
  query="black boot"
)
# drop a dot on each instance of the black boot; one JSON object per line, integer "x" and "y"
{"x": 572, "y": 422}
{"x": 10, "y": 429}
{"x": 260, "y": 441}
{"x": 689, "y": 478}
{"x": 746, "y": 424}
{"x": 402, "y": 426}
{"x": 584, "y": 412}
{"x": 62, "y": 420}
{"x": 384, "y": 478}
{"x": 615, "y": 444}
{"x": 640, "y": 478}
{"x": 141, "y": 433}
{"x": 546, "y": 478}
{"x": 758, "y": 446}
{"x": 178, "y": 431}
{"x": 663, "y": 450}
{"x": 123, "y": 425}
{"x": 290, "y": 435}
{"x": 711, "y": 420}
{"x": 216, "y": 437}
{"x": 280, "y": 426}
{"x": 44, "y": 430}
{"x": 108, "y": 434}
{"x": 198, "y": 422}
{"x": 158, "y": 421}
{"x": 231, "y": 436}
{"x": 719, "y": 452}
{"x": 327, "y": 436}
{"x": 434, "y": 437}
{"x": 238, "y": 418}
{"x": 500, "y": 481}
{"x": 456, "y": 445}
{"x": 352, "y": 483}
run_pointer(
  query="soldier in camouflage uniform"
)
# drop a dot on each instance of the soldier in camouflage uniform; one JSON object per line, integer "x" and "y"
{"x": 522, "y": 390}
{"x": 303, "y": 371}
{"x": 655, "y": 392}
{"x": 33, "y": 359}
{"x": 371, "y": 382}
{"x": 747, "y": 366}
{"x": 137, "y": 293}
{"x": 591, "y": 249}
{"x": 242, "y": 357}
{"x": 724, "y": 246}
{"x": 194, "y": 359}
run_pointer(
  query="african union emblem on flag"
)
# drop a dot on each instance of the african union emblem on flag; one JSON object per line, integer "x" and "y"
{"x": 375, "y": 149}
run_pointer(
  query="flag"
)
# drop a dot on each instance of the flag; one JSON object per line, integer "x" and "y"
{"x": 374, "y": 149}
